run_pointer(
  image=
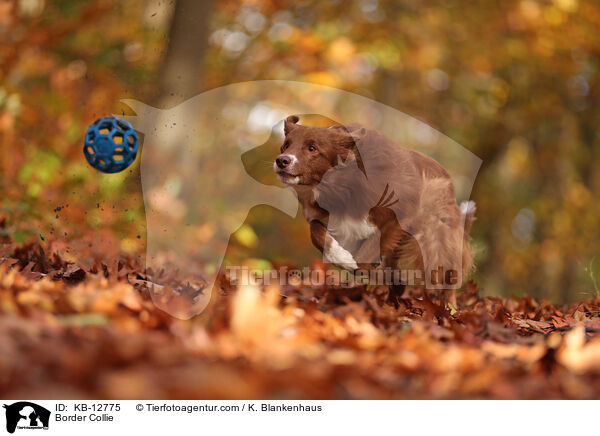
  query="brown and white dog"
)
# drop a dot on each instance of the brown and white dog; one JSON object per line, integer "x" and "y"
{"x": 371, "y": 202}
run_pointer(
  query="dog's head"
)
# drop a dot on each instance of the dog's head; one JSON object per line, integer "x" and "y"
{"x": 309, "y": 152}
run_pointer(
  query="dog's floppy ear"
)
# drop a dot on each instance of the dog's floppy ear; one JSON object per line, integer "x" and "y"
{"x": 350, "y": 159}
{"x": 290, "y": 123}
{"x": 354, "y": 132}
{"x": 358, "y": 134}
{"x": 353, "y": 159}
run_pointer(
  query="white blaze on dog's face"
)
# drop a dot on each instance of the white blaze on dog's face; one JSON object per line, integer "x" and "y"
{"x": 308, "y": 153}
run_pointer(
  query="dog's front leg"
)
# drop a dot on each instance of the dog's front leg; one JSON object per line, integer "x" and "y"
{"x": 318, "y": 233}
{"x": 369, "y": 253}
{"x": 332, "y": 251}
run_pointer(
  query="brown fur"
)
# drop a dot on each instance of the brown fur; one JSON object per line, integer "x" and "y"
{"x": 354, "y": 173}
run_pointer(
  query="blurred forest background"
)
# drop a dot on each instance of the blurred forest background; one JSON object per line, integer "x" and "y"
{"x": 515, "y": 82}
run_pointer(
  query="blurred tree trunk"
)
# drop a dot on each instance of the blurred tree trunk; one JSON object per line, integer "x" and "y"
{"x": 181, "y": 72}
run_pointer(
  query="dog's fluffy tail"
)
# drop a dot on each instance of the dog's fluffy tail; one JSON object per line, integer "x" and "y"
{"x": 467, "y": 210}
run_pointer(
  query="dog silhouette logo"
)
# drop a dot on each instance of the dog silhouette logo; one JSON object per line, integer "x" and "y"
{"x": 26, "y": 415}
{"x": 198, "y": 189}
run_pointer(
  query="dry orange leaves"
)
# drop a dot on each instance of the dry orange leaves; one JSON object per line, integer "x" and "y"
{"x": 90, "y": 330}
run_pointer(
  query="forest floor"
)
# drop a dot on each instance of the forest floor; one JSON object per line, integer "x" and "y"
{"x": 90, "y": 330}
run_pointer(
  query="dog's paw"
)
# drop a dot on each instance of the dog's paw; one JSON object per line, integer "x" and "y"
{"x": 339, "y": 256}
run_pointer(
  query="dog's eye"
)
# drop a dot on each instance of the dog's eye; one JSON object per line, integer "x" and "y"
{"x": 285, "y": 146}
{"x": 312, "y": 148}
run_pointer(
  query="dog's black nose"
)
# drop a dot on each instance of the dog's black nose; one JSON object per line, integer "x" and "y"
{"x": 283, "y": 161}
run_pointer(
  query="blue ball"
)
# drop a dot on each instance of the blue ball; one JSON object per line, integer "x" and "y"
{"x": 111, "y": 144}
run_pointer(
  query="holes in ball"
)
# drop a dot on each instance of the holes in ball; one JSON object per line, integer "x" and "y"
{"x": 105, "y": 127}
{"x": 118, "y": 138}
{"x": 91, "y": 151}
{"x": 91, "y": 137}
{"x": 131, "y": 141}
{"x": 118, "y": 157}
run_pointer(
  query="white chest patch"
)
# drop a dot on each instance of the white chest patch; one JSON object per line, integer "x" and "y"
{"x": 350, "y": 232}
